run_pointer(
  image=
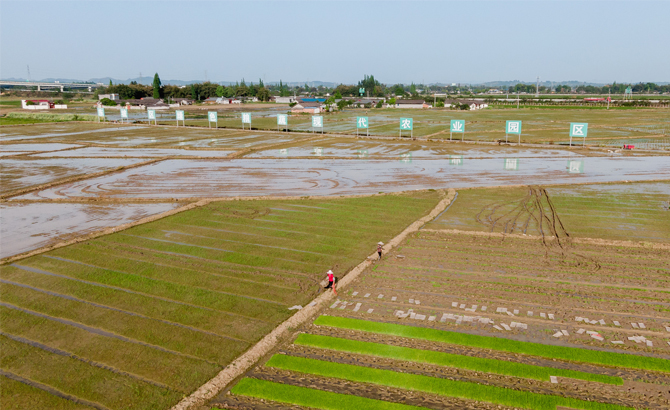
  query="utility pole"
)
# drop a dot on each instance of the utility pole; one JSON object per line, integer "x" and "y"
{"x": 537, "y": 87}
{"x": 29, "y": 79}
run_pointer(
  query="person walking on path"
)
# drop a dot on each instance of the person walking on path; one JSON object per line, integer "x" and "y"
{"x": 379, "y": 249}
{"x": 331, "y": 281}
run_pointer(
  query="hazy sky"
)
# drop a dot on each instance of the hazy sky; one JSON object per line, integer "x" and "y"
{"x": 400, "y": 41}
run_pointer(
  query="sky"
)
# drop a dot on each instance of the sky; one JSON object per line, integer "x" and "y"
{"x": 338, "y": 41}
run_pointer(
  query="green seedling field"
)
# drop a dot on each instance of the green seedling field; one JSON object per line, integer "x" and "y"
{"x": 444, "y": 387}
{"x": 312, "y": 398}
{"x": 506, "y": 345}
{"x": 447, "y": 359}
{"x": 144, "y": 316}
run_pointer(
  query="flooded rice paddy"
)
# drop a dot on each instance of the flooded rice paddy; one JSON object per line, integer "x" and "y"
{"x": 252, "y": 177}
{"x": 273, "y": 163}
{"x": 29, "y": 226}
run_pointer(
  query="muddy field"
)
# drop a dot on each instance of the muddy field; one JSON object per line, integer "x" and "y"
{"x": 480, "y": 295}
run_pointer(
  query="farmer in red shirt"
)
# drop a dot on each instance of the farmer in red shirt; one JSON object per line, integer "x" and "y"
{"x": 331, "y": 281}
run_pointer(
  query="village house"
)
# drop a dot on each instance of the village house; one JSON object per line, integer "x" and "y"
{"x": 411, "y": 104}
{"x": 313, "y": 107}
{"x": 41, "y": 105}
{"x": 283, "y": 100}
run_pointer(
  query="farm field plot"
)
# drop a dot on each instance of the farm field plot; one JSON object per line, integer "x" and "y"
{"x": 633, "y": 211}
{"x": 540, "y": 125}
{"x": 139, "y": 318}
{"x": 17, "y": 173}
{"x": 188, "y": 178}
{"x": 362, "y": 148}
{"x": 469, "y": 320}
{"x": 24, "y": 227}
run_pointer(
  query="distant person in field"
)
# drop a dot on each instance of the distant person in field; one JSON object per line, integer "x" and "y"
{"x": 331, "y": 281}
{"x": 379, "y": 249}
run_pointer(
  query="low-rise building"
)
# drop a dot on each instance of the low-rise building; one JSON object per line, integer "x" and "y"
{"x": 112, "y": 97}
{"x": 284, "y": 100}
{"x": 312, "y": 107}
{"x": 411, "y": 104}
{"x": 36, "y": 104}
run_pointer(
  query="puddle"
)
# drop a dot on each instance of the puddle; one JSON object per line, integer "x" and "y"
{"x": 254, "y": 177}
{"x": 24, "y": 227}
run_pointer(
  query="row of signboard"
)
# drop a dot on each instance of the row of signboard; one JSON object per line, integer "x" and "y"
{"x": 577, "y": 129}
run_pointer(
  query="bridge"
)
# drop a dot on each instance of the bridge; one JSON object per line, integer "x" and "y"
{"x": 41, "y": 85}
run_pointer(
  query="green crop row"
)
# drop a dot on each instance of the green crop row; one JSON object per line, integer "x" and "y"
{"x": 427, "y": 384}
{"x": 312, "y": 398}
{"x": 495, "y": 343}
{"x": 450, "y": 360}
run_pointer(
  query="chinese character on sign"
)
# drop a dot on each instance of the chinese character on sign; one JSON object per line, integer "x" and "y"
{"x": 407, "y": 158}
{"x": 180, "y": 115}
{"x": 514, "y": 127}
{"x": 124, "y": 113}
{"x": 456, "y": 160}
{"x": 212, "y": 116}
{"x": 362, "y": 122}
{"x": 101, "y": 112}
{"x": 406, "y": 124}
{"x": 151, "y": 114}
{"x": 457, "y": 125}
{"x": 318, "y": 151}
{"x": 246, "y": 118}
{"x": 362, "y": 153}
{"x": 282, "y": 119}
{"x": 578, "y": 129}
{"x": 317, "y": 122}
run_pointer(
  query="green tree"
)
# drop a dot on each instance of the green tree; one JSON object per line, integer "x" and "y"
{"x": 157, "y": 86}
{"x": 194, "y": 95}
{"x": 412, "y": 89}
{"x": 110, "y": 82}
{"x": 337, "y": 95}
{"x": 263, "y": 94}
{"x": 220, "y": 90}
{"x": 379, "y": 104}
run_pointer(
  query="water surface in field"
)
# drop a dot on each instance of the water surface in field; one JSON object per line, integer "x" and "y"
{"x": 253, "y": 177}
{"x": 24, "y": 227}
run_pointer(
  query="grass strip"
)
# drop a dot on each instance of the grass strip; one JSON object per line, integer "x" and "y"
{"x": 451, "y": 360}
{"x": 443, "y": 387}
{"x": 495, "y": 343}
{"x": 318, "y": 399}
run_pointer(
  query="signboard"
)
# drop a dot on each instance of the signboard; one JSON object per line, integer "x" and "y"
{"x": 283, "y": 151}
{"x": 361, "y": 122}
{"x": 575, "y": 167}
{"x": 317, "y": 121}
{"x": 246, "y": 118}
{"x": 406, "y": 158}
{"x": 212, "y": 116}
{"x": 361, "y": 91}
{"x": 362, "y": 153}
{"x": 513, "y": 127}
{"x": 511, "y": 164}
{"x": 406, "y": 124}
{"x": 124, "y": 113}
{"x": 318, "y": 151}
{"x": 456, "y": 160}
{"x": 457, "y": 126}
{"x": 101, "y": 112}
{"x": 282, "y": 119}
{"x": 151, "y": 114}
{"x": 180, "y": 115}
{"x": 579, "y": 129}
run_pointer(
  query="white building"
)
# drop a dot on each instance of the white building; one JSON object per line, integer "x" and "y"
{"x": 112, "y": 97}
